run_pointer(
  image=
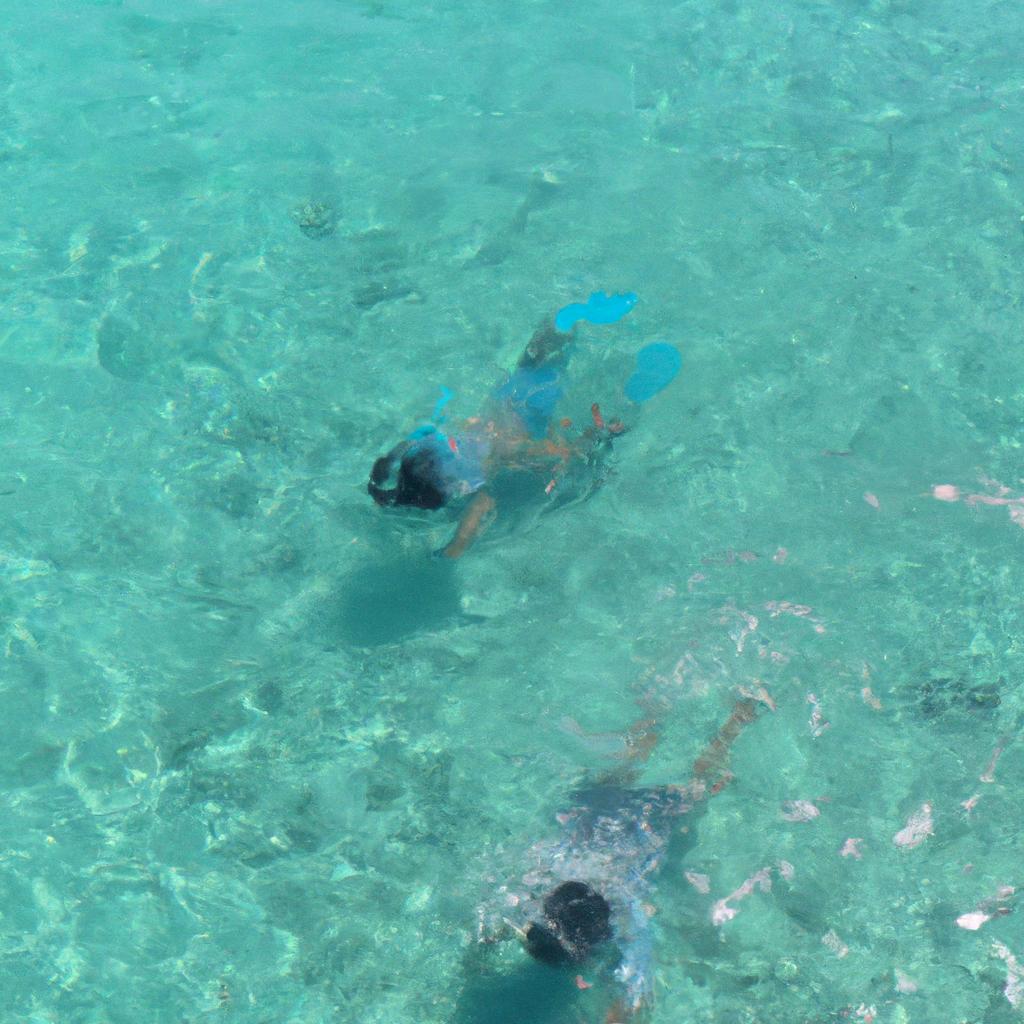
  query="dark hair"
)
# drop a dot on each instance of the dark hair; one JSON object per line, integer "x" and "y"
{"x": 576, "y": 917}
{"x": 418, "y": 482}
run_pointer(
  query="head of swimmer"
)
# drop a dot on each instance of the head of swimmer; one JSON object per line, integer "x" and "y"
{"x": 410, "y": 476}
{"x": 576, "y": 918}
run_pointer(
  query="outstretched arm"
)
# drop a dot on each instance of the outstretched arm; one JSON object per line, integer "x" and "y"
{"x": 618, "y": 1013}
{"x": 470, "y": 525}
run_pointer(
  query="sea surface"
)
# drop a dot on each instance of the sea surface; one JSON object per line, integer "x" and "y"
{"x": 262, "y": 756}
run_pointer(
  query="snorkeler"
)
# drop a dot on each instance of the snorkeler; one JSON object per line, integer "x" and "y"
{"x": 585, "y": 898}
{"x": 462, "y": 468}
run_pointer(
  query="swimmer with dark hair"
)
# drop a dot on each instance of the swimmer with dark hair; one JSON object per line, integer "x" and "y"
{"x": 584, "y": 903}
{"x": 460, "y": 468}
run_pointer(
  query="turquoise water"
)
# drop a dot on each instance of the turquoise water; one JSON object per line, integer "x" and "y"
{"x": 264, "y": 757}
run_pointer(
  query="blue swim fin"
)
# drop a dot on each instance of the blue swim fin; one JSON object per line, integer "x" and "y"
{"x": 656, "y": 367}
{"x": 598, "y": 309}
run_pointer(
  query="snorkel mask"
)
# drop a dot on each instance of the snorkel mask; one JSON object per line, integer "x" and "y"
{"x": 383, "y": 485}
{"x": 414, "y": 474}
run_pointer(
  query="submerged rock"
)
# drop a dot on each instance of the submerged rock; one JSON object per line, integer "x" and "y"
{"x": 316, "y": 219}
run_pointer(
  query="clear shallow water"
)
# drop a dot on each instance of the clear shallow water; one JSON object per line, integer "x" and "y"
{"x": 262, "y": 757}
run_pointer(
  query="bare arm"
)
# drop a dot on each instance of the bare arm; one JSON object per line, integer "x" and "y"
{"x": 617, "y": 1013}
{"x": 470, "y": 526}
{"x": 621, "y": 1013}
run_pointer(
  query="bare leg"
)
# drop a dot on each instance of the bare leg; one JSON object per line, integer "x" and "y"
{"x": 711, "y": 767}
{"x": 638, "y": 741}
{"x": 641, "y": 738}
{"x": 546, "y": 343}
